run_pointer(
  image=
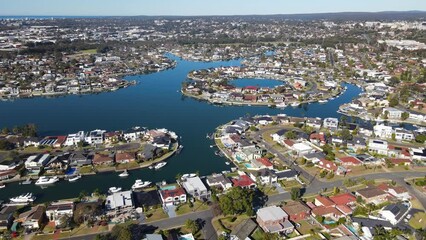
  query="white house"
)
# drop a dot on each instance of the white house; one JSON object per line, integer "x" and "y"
{"x": 119, "y": 200}
{"x": 219, "y": 180}
{"x": 378, "y": 146}
{"x": 57, "y": 210}
{"x": 196, "y": 188}
{"x": 173, "y": 196}
{"x": 95, "y": 137}
{"x": 403, "y": 135}
{"x": 34, "y": 163}
{"x": 133, "y": 133}
{"x": 75, "y": 138}
{"x": 302, "y": 148}
{"x": 393, "y": 112}
{"x": 382, "y": 131}
{"x": 394, "y": 212}
{"x": 331, "y": 123}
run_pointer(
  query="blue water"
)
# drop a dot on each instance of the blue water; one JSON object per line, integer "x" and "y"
{"x": 248, "y": 165}
{"x": 244, "y": 82}
{"x": 155, "y": 103}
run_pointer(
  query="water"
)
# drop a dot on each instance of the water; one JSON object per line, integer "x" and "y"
{"x": 244, "y": 82}
{"x": 154, "y": 103}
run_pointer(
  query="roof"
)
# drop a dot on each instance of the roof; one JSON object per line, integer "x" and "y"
{"x": 325, "y": 201}
{"x": 265, "y": 162}
{"x": 295, "y": 207}
{"x": 172, "y": 192}
{"x": 242, "y": 181}
{"x": 349, "y": 159}
{"x": 120, "y": 199}
{"x": 343, "y": 199}
{"x": 371, "y": 192}
{"x": 194, "y": 183}
{"x": 271, "y": 213}
{"x": 120, "y": 156}
{"x": 320, "y": 211}
{"x": 101, "y": 158}
{"x": 398, "y": 161}
{"x": 244, "y": 229}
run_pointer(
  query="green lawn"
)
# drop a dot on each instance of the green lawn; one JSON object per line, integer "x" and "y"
{"x": 418, "y": 220}
{"x": 85, "y": 169}
{"x": 197, "y": 206}
{"x": 89, "y": 51}
{"x": 129, "y": 165}
{"x": 156, "y": 214}
{"x": 82, "y": 230}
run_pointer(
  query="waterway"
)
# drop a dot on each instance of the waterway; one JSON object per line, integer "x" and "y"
{"x": 245, "y": 82}
{"x": 154, "y": 103}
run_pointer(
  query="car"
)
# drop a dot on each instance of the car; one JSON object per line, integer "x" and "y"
{"x": 408, "y": 216}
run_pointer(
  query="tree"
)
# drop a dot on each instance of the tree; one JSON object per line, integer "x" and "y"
{"x": 345, "y": 134}
{"x": 5, "y": 131}
{"x": 405, "y": 115}
{"x": 290, "y": 135}
{"x": 295, "y": 193}
{"x": 393, "y": 102}
{"x": 192, "y": 225}
{"x": 237, "y": 201}
{"x": 421, "y": 138}
{"x": 121, "y": 232}
{"x": 6, "y": 145}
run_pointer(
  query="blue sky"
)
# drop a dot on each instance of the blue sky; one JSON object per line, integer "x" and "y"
{"x": 198, "y": 7}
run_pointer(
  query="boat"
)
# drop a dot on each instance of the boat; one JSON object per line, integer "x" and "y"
{"x": 151, "y": 167}
{"x": 2, "y": 185}
{"x": 114, "y": 189}
{"x": 227, "y": 163}
{"x": 23, "y": 199}
{"x": 74, "y": 178}
{"x": 323, "y": 101}
{"x": 179, "y": 149}
{"x": 163, "y": 183}
{"x": 281, "y": 105}
{"x": 46, "y": 180}
{"x": 124, "y": 174}
{"x": 26, "y": 182}
{"x": 295, "y": 104}
{"x": 211, "y": 146}
{"x": 159, "y": 165}
{"x": 188, "y": 175}
{"x": 140, "y": 184}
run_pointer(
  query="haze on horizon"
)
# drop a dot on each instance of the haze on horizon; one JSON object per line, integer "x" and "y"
{"x": 198, "y": 7}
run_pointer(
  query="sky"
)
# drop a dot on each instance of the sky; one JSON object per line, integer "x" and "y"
{"x": 198, "y": 7}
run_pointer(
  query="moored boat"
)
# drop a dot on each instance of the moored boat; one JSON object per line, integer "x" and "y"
{"x": 159, "y": 165}
{"x": 124, "y": 174}
{"x": 139, "y": 184}
{"x": 23, "y": 199}
{"x": 46, "y": 180}
{"x": 114, "y": 189}
{"x": 74, "y": 178}
{"x": 2, "y": 185}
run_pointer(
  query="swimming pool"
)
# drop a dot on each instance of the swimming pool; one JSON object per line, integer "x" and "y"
{"x": 248, "y": 165}
{"x": 70, "y": 171}
{"x": 171, "y": 187}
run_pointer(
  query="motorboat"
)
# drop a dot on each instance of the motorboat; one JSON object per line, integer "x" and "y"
{"x": 46, "y": 180}
{"x": 227, "y": 163}
{"x": 26, "y": 182}
{"x": 159, "y": 165}
{"x": 281, "y": 105}
{"x": 74, "y": 178}
{"x": 188, "y": 175}
{"x": 23, "y": 199}
{"x": 295, "y": 104}
{"x": 140, "y": 184}
{"x": 124, "y": 174}
{"x": 323, "y": 101}
{"x": 2, "y": 185}
{"x": 114, "y": 189}
{"x": 179, "y": 149}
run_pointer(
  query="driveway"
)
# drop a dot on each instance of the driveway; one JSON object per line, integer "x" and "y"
{"x": 171, "y": 211}
{"x": 279, "y": 188}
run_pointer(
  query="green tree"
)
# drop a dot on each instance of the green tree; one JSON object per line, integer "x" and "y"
{"x": 405, "y": 116}
{"x": 237, "y": 201}
{"x": 393, "y": 102}
{"x": 421, "y": 138}
{"x": 345, "y": 134}
{"x": 5, "y": 131}
{"x": 290, "y": 135}
{"x": 295, "y": 193}
{"x": 192, "y": 225}
{"x": 6, "y": 145}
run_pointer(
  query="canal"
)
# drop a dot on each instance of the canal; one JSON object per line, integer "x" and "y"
{"x": 154, "y": 103}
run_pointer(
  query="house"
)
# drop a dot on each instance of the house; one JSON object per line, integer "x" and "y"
{"x": 124, "y": 157}
{"x": 243, "y": 181}
{"x": 133, "y": 134}
{"x": 219, "y": 181}
{"x": 297, "y": 211}
{"x": 400, "y": 161}
{"x": 112, "y": 137}
{"x": 56, "y": 210}
{"x": 394, "y": 213}
{"x": 392, "y": 113}
{"x": 287, "y": 175}
{"x": 343, "y": 199}
{"x": 196, "y": 188}
{"x": 418, "y": 154}
{"x": 75, "y": 138}
{"x": 147, "y": 199}
{"x": 58, "y": 163}
{"x": 264, "y": 176}
{"x": 243, "y": 230}
{"x": 349, "y": 161}
{"x": 302, "y": 148}
{"x": 34, "y": 218}
{"x": 248, "y": 153}
{"x": 35, "y": 163}
{"x": 119, "y": 200}
{"x": 318, "y": 138}
{"x": 162, "y": 141}
{"x": 80, "y": 159}
{"x": 372, "y": 195}
{"x": 273, "y": 219}
{"x": 403, "y": 134}
{"x": 356, "y": 143}
{"x": 331, "y": 167}
{"x": 149, "y": 152}
{"x": 382, "y": 131}
{"x": 378, "y": 146}
{"x": 173, "y": 196}
{"x": 6, "y": 217}
{"x": 95, "y": 137}
{"x": 31, "y": 141}
{"x": 331, "y": 123}
{"x": 314, "y": 122}
{"x": 323, "y": 201}
{"x": 102, "y": 159}
{"x": 398, "y": 192}
{"x": 327, "y": 212}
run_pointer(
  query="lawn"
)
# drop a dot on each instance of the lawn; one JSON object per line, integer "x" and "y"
{"x": 197, "y": 206}
{"x": 290, "y": 184}
{"x": 129, "y": 165}
{"x": 85, "y": 170}
{"x": 82, "y": 230}
{"x": 89, "y": 51}
{"x": 156, "y": 214}
{"x": 418, "y": 220}
{"x": 416, "y": 204}
{"x": 305, "y": 227}
{"x": 231, "y": 222}
{"x": 269, "y": 190}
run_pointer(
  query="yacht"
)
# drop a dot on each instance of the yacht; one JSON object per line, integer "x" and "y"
{"x": 188, "y": 175}
{"x": 323, "y": 101}
{"x": 140, "y": 184}
{"x": 281, "y": 105}
{"x": 23, "y": 199}
{"x": 114, "y": 189}
{"x": 159, "y": 165}
{"x": 26, "y": 182}
{"x": 179, "y": 149}
{"x": 2, "y": 185}
{"x": 227, "y": 163}
{"x": 46, "y": 180}
{"x": 74, "y": 178}
{"x": 295, "y": 104}
{"x": 124, "y": 174}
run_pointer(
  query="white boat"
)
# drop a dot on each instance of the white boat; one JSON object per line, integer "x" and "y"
{"x": 124, "y": 174}
{"x": 227, "y": 163}
{"x": 23, "y": 199}
{"x": 74, "y": 178}
{"x": 159, "y": 165}
{"x": 2, "y": 185}
{"x": 179, "y": 149}
{"x": 46, "y": 180}
{"x": 26, "y": 182}
{"x": 323, "y": 101}
{"x": 140, "y": 184}
{"x": 295, "y": 104}
{"x": 188, "y": 175}
{"x": 281, "y": 105}
{"x": 114, "y": 189}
